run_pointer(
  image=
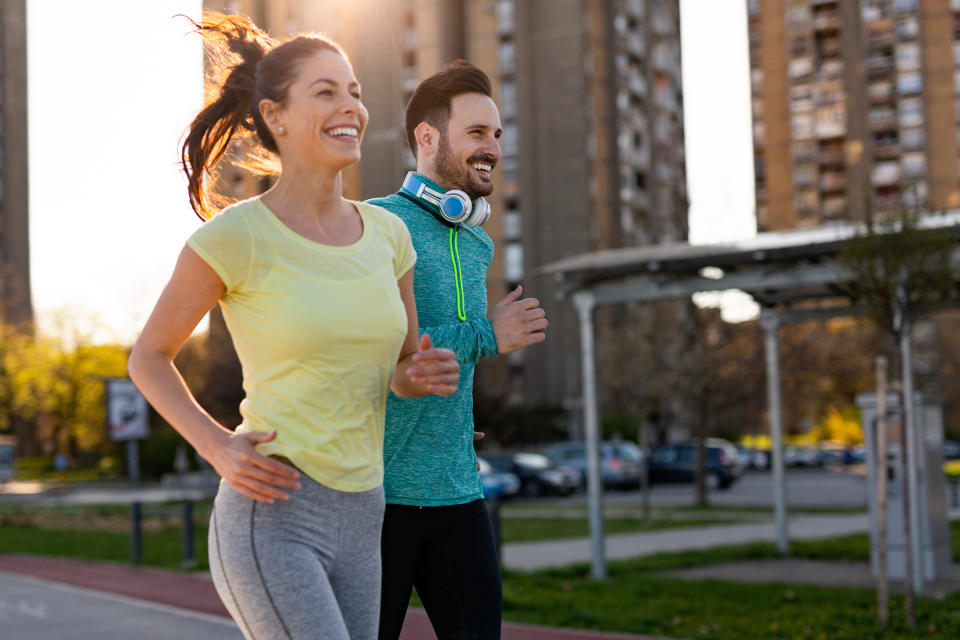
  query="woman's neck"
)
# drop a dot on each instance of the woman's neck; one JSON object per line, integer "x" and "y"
{"x": 314, "y": 195}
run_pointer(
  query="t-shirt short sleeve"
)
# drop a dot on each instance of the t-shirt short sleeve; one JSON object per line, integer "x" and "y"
{"x": 406, "y": 255}
{"x": 226, "y": 245}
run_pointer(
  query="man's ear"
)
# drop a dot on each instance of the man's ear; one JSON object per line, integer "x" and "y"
{"x": 428, "y": 139}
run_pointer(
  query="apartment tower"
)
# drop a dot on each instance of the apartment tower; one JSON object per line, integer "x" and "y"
{"x": 855, "y": 105}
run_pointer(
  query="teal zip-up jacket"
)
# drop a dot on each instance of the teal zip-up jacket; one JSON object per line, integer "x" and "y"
{"x": 428, "y": 452}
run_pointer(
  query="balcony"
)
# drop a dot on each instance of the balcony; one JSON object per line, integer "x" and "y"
{"x": 886, "y": 150}
{"x": 636, "y": 43}
{"x": 883, "y": 123}
{"x": 833, "y": 181}
{"x": 880, "y": 65}
{"x": 831, "y": 156}
{"x": 826, "y": 21}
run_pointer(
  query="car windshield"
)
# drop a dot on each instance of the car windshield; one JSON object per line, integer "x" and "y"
{"x": 533, "y": 461}
{"x": 629, "y": 452}
{"x": 500, "y": 464}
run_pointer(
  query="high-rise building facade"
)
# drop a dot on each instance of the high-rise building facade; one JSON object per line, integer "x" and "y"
{"x": 855, "y": 105}
{"x": 15, "y": 304}
{"x": 592, "y": 150}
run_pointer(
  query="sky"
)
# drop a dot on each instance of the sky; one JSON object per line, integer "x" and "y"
{"x": 113, "y": 84}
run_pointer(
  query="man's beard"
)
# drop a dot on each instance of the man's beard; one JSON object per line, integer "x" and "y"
{"x": 457, "y": 175}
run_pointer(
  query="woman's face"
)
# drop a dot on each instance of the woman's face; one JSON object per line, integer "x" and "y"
{"x": 323, "y": 115}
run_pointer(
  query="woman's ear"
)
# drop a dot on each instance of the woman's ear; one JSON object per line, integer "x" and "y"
{"x": 270, "y": 112}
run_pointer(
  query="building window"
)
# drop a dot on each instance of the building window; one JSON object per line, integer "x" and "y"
{"x": 886, "y": 174}
{"x": 509, "y": 145}
{"x": 508, "y": 52}
{"x": 911, "y": 112}
{"x": 798, "y": 16}
{"x": 800, "y": 68}
{"x": 912, "y": 138}
{"x": 801, "y": 97}
{"x": 908, "y": 27}
{"x": 801, "y": 126}
{"x": 909, "y": 82}
{"x": 908, "y": 56}
{"x": 904, "y": 6}
{"x": 804, "y": 176}
{"x": 505, "y": 12}
{"x": 508, "y": 98}
{"x": 914, "y": 164}
{"x": 513, "y": 262}
{"x": 512, "y": 225}
{"x": 831, "y": 121}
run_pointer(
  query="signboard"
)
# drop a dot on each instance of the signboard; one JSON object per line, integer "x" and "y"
{"x": 127, "y": 413}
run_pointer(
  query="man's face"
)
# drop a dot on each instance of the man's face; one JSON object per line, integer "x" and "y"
{"x": 469, "y": 148}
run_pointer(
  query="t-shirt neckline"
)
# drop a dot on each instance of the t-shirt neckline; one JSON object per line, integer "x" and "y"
{"x": 332, "y": 248}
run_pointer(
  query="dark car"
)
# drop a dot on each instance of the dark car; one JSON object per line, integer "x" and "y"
{"x": 951, "y": 450}
{"x": 620, "y": 465}
{"x": 538, "y": 474}
{"x": 497, "y": 485}
{"x": 678, "y": 463}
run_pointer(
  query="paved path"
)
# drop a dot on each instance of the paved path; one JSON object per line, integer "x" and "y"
{"x": 530, "y": 556}
{"x": 50, "y": 598}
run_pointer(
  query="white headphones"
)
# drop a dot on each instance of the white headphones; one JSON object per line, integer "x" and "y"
{"x": 455, "y": 206}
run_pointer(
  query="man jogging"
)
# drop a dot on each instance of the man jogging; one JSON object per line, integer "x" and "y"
{"x": 436, "y": 531}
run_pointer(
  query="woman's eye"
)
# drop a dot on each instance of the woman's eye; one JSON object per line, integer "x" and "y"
{"x": 325, "y": 92}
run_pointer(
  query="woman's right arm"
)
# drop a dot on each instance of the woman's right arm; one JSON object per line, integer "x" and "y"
{"x": 193, "y": 289}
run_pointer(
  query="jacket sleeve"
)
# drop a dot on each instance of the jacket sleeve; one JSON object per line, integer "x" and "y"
{"x": 469, "y": 340}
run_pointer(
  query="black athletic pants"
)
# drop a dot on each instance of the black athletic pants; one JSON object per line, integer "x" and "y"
{"x": 449, "y": 555}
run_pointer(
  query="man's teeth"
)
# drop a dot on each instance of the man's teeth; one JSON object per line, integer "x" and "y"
{"x": 343, "y": 131}
{"x": 482, "y": 167}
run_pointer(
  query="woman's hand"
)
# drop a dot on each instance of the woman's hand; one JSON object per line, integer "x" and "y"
{"x": 435, "y": 369}
{"x": 251, "y": 473}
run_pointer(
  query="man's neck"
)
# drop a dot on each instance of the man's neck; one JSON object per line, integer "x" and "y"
{"x": 432, "y": 176}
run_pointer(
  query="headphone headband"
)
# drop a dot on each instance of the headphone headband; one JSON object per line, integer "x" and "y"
{"x": 455, "y": 206}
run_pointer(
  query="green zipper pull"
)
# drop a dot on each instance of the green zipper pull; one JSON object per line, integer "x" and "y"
{"x": 457, "y": 273}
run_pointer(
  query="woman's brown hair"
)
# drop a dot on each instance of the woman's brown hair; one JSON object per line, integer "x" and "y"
{"x": 245, "y": 66}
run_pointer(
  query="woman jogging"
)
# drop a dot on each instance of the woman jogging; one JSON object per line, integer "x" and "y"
{"x": 317, "y": 292}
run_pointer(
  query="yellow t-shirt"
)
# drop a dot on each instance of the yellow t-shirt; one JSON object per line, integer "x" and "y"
{"x": 318, "y": 330}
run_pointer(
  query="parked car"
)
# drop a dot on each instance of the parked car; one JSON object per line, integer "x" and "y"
{"x": 753, "y": 458}
{"x": 538, "y": 474}
{"x": 8, "y": 448}
{"x": 678, "y": 462}
{"x": 796, "y": 456}
{"x": 620, "y": 462}
{"x": 497, "y": 485}
{"x": 951, "y": 450}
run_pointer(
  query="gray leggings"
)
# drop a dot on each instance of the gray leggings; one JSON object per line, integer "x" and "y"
{"x": 307, "y": 567}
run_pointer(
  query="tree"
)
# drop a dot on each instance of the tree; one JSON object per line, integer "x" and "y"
{"x": 899, "y": 271}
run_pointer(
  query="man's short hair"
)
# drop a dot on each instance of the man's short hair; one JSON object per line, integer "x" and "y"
{"x": 430, "y": 101}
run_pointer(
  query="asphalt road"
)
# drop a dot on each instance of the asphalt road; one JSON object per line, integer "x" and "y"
{"x": 35, "y": 609}
{"x": 805, "y": 488}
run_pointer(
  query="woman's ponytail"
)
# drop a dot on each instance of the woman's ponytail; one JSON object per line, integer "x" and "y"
{"x": 234, "y": 47}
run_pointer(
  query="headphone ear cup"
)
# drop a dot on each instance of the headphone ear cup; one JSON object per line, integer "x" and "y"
{"x": 480, "y": 213}
{"x": 456, "y": 206}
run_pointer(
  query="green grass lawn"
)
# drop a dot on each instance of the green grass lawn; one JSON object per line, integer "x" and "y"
{"x": 638, "y": 597}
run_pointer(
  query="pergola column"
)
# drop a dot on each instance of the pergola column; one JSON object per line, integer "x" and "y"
{"x": 770, "y": 321}
{"x": 584, "y": 302}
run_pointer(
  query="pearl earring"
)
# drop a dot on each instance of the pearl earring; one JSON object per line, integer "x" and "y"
{"x": 281, "y": 130}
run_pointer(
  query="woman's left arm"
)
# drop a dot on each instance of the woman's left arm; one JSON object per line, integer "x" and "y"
{"x": 421, "y": 369}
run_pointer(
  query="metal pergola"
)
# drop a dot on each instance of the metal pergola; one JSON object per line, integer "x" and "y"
{"x": 782, "y": 271}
